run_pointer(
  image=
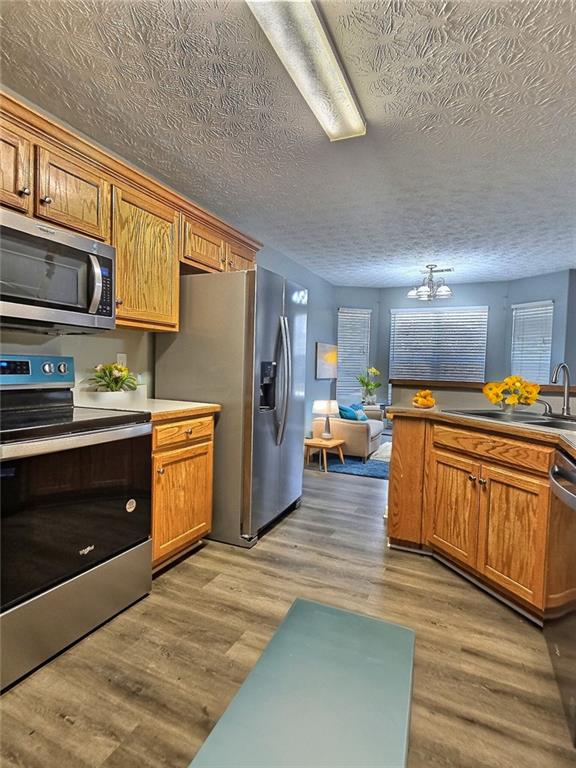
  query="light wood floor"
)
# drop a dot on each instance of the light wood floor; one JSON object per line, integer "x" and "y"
{"x": 146, "y": 689}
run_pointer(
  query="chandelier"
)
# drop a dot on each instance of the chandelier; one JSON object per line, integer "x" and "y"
{"x": 432, "y": 289}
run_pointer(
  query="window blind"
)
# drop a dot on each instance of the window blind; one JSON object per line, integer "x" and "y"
{"x": 532, "y": 340}
{"x": 353, "y": 349}
{"x": 448, "y": 344}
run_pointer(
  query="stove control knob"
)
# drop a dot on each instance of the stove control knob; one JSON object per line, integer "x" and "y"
{"x": 62, "y": 368}
{"x": 48, "y": 368}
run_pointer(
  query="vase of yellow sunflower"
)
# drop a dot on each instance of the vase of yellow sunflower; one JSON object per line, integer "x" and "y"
{"x": 511, "y": 392}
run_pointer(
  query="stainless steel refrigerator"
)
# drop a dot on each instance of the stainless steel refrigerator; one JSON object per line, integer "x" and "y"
{"x": 242, "y": 343}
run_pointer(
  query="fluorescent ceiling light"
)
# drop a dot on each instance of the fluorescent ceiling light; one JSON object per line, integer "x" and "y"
{"x": 299, "y": 37}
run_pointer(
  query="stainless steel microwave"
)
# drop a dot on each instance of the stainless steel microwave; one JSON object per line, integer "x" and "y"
{"x": 54, "y": 280}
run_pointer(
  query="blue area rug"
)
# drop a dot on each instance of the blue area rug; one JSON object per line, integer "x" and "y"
{"x": 355, "y": 466}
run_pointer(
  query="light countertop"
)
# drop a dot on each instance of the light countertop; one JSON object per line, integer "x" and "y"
{"x": 161, "y": 410}
{"x": 563, "y": 438}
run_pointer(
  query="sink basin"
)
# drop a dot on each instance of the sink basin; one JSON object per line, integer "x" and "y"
{"x": 530, "y": 419}
{"x": 555, "y": 424}
{"x": 517, "y": 416}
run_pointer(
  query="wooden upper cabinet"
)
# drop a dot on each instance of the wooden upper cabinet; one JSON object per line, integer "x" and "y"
{"x": 145, "y": 234}
{"x": 239, "y": 257}
{"x": 71, "y": 194}
{"x": 453, "y": 498}
{"x": 201, "y": 245}
{"x": 182, "y": 498}
{"x": 15, "y": 169}
{"x": 512, "y": 532}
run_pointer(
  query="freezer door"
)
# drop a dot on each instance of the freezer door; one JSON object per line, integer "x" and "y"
{"x": 291, "y": 449}
{"x": 268, "y": 409}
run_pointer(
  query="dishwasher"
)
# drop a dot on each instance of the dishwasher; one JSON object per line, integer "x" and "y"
{"x": 560, "y": 629}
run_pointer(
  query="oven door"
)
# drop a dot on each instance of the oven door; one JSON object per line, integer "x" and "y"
{"x": 69, "y": 504}
{"x": 54, "y": 278}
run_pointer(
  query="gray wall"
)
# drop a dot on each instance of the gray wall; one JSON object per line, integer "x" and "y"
{"x": 498, "y": 296}
{"x": 570, "y": 352}
{"x": 322, "y": 319}
{"x": 89, "y": 350}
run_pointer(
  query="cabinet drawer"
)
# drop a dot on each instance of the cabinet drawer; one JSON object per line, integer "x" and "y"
{"x": 500, "y": 450}
{"x": 181, "y": 432}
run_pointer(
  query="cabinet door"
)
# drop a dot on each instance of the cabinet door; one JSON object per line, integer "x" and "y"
{"x": 454, "y": 506}
{"x": 70, "y": 194}
{"x": 181, "y": 498}
{"x": 145, "y": 234}
{"x": 202, "y": 246}
{"x": 512, "y": 532}
{"x": 15, "y": 170}
{"x": 238, "y": 258}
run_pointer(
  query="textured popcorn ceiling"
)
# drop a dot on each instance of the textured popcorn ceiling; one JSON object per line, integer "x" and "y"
{"x": 469, "y": 160}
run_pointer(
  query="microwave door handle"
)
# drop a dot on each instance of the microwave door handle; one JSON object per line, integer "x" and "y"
{"x": 97, "y": 284}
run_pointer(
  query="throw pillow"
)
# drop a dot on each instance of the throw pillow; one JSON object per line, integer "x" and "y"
{"x": 360, "y": 413}
{"x": 352, "y": 413}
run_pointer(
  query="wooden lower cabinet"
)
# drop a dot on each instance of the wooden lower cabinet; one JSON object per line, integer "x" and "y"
{"x": 181, "y": 497}
{"x": 492, "y": 520}
{"x": 453, "y": 495}
{"x": 512, "y": 531}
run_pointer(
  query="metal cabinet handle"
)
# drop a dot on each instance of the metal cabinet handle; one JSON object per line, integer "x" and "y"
{"x": 189, "y": 431}
{"x": 482, "y": 481}
{"x": 46, "y": 199}
{"x": 472, "y": 478}
{"x": 119, "y": 302}
{"x": 160, "y": 470}
{"x": 25, "y": 191}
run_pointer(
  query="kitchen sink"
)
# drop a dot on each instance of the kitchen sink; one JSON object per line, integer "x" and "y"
{"x": 530, "y": 419}
{"x": 502, "y": 416}
{"x": 555, "y": 424}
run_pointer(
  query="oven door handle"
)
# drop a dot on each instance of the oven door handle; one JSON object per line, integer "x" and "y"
{"x": 96, "y": 284}
{"x": 560, "y": 491}
{"x": 29, "y": 448}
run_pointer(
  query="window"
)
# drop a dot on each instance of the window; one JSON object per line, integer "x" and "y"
{"x": 532, "y": 340}
{"x": 353, "y": 349}
{"x": 447, "y": 344}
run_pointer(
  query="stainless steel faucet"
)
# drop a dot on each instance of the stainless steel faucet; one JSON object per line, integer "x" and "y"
{"x": 555, "y": 374}
{"x": 547, "y": 406}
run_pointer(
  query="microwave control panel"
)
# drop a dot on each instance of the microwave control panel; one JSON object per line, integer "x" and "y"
{"x": 34, "y": 371}
{"x": 106, "y": 300}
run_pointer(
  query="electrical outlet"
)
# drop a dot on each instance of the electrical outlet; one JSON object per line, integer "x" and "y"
{"x": 122, "y": 359}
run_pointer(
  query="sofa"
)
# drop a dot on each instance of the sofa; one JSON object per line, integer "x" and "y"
{"x": 361, "y": 438}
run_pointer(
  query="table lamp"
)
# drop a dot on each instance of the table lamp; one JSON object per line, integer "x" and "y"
{"x": 326, "y": 408}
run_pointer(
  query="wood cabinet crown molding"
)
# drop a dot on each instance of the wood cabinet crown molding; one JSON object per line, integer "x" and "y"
{"x": 111, "y": 167}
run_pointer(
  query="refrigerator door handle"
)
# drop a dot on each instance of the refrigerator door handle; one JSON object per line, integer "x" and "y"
{"x": 286, "y": 379}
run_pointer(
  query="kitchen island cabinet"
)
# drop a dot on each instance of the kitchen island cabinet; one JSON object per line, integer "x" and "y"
{"x": 476, "y": 495}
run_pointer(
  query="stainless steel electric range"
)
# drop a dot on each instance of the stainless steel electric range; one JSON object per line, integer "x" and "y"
{"x": 75, "y": 517}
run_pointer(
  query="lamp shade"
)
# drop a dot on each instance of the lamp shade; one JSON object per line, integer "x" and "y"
{"x": 325, "y": 407}
{"x": 444, "y": 292}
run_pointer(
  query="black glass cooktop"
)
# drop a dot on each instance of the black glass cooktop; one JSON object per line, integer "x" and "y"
{"x": 56, "y": 419}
